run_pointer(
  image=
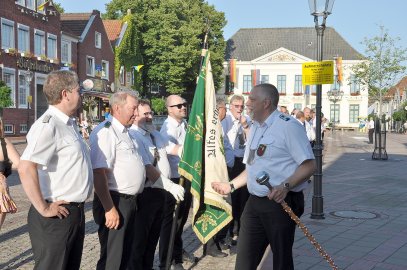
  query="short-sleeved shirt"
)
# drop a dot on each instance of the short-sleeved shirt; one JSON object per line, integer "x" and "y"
{"x": 112, "y": 148}
{"x": 62, "y": 157}
{"x": 280, "y": 145}
{"x": 152, "y": 148}
{"x": 234, "y": 131}
{"x": 174, "y": 132}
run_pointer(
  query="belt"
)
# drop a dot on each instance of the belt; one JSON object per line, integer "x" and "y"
{"x": 124, "y": 196}
{"x": 77, "y": 204}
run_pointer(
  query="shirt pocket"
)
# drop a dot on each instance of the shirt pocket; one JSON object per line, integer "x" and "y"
{"x": 128, "y": 150}
{"x": 69, "y": 142}
{"x": 266, "y": 148}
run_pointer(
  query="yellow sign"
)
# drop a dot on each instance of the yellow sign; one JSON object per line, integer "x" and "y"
{"x": 318, "y": 73}
{"x": 29, "y": 99}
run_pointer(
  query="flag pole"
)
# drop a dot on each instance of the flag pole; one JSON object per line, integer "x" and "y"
{"x": 182, "y": 179}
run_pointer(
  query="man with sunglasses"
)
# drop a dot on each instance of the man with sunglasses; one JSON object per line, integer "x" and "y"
{"x": 236, "y": 127}
{"x": 152, "y": 200}
{"x": 174, "y": 130}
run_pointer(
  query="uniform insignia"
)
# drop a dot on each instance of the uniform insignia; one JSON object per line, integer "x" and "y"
{"x": 108, "y": 124}
{"x": 46, "y": 118}
{"x": 261, "y": 149}
{"x": 284, "y": 117}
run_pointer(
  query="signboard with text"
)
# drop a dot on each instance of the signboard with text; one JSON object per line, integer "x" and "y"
{"x": 318, "y": 73}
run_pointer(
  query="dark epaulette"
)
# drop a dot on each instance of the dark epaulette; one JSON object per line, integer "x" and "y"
{"x": 284, "y": 117}
{"x": 108, "y": 124}
{"x": 46, "y": 118}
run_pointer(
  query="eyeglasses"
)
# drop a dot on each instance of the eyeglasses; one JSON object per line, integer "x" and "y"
{"x": 149, "y": 113}
{"x": 238, "y": 106}
{"x": 179, "y": 106}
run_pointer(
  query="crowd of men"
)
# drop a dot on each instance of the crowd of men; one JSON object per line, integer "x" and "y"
{"x": 133, "y": 170}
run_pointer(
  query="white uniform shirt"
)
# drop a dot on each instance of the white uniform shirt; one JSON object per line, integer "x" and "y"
{"x": 174, "y": 133}
{"x": 64, "y": 166}
{"x": 112, "y": 148}
{"x": 309, "y": 130}
{"x": 371, "y": 124}
{"x": 285, "y": 146}
{"x": 234, "y": 131}
{"x": 146, "y": 142}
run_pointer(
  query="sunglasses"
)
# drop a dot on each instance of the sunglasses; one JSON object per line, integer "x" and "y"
{"x": 179, "y": 106}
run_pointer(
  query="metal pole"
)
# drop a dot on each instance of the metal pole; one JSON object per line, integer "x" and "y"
{"x": 333, "y": 123}
{"x": 317, "y": 198}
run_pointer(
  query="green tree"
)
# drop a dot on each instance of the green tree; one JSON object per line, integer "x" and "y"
{"x": 172, "y": 32}
{"x": 5, "y": 95}
{"x": 158, "y": 105}
{"x": 382, "y": 65}
{"x": 59, "y": 7}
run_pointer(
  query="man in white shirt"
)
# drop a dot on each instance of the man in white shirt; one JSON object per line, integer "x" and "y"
{"x": 174, "y": 131}
{"x": 371, "y": 130}
{"x": 56, "y": 174}
{"x": 235, "y": 127}
{"x": 307, "y": 126}
{"x": 119, "y": 173}
{"x": 152, "y": 200}
{"x": 277, "y": 146}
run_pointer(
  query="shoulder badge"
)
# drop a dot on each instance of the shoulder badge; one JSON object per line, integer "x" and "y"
{"x": 108, "y": 124}
{"x": 46, "y": 118}
{"x": 284, "y": 117}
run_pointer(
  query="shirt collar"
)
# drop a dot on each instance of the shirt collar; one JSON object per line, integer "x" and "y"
{"x": 232, "y": 117}
{"x": 173, "y": 121}
{"x": 139, "y": 129}
{"x": 60, "y": 115}
{"x": 118, "y": 125}
{"x": 270, "y": 119}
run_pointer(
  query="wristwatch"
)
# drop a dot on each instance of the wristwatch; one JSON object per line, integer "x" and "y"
{"x": 286, "y": 185}
{"x": 232, "y": 188}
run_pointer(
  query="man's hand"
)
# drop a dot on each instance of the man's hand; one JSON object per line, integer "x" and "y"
{"x": 243, "y": 121}
{"x": 55, "y": 209}
{"x": 112, "y": 218}
{"x": 278, "y": 194}
{"x": 176, "y": 190}
{"x": 221, "y": 187}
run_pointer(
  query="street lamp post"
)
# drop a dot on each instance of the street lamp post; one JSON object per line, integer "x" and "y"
{"x": 334, "y": 96}
{"x": 319, "y": 8}
{"x": 29, "y": 77}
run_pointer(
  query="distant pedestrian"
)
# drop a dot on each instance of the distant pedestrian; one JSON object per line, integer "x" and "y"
{"x": 371, "y": 130}
{"x": 56, "y": 175}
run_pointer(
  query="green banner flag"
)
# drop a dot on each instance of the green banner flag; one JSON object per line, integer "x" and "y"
{"x": 203, "y": 158}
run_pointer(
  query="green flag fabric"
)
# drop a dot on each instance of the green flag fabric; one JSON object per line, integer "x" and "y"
{"x": 203, "y": 158}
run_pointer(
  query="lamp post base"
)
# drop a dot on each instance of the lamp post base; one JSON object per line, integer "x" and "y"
{"x": 317, "y": 206}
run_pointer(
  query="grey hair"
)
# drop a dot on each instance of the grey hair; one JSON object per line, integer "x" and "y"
{"x": 119, "y": 98}
{"x": 236, "y": 97}
{"x": 220, "y": 101}
{"x": 269, "y": 91}
{"x": 56, "y": 82}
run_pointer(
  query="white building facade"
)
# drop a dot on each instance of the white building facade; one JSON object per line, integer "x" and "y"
{"x": 282, "y": 67}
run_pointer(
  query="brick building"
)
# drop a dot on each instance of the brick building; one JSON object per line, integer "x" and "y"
{"x": 30, "y": 48}
{"x": 95, "y": 57}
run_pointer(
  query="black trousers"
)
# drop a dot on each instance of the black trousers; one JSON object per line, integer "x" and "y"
{"x": 115, "y": 245}
{"x": 371, "y": 132}
{"x": 265, "y": 222}
{"x": 57, "y": 243}
{"x": 147, "y": 228}
{"x": 165, "y": 234}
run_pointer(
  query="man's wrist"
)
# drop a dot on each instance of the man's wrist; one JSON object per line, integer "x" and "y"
{"x": 232, "y": 187}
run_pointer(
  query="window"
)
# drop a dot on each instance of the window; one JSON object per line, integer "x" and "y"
{"x": 66, "y": 51}
{"x": 7, "y": 34}
{"x": 105, "y": 70}
{"x": 90, "y": 66}
{"x": 298, "y": 106}
{"x": 353, "y": 113}
{"x": 264, "y": 79}
{"x": 334, "y": 110}
{"x": 9, "y": 77}
{"x": 298, "y": 84}
{"x": 313, "y": 89}
{"x": 98, "y": 40}
{"x": 121, "y": 75}
{"x": 281, "y": 81}
{"x": 247, "y": 83}
{"x": 39, "y": 42}
{"x": 23, "y": 128}
{"x": 354, "y": 85}
{"x": 22, "y": 91}
{"x": 335, "y": 85}
{"x": 30, "y": 4}
{"x": 23, "y": 35}
{"x": 52, "y": 46}
{"x": 8, "y": 129}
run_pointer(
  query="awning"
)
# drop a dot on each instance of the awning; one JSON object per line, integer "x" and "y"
{"x": 102, "y": 95}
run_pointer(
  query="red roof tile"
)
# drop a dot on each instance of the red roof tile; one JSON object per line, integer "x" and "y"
{"x": 113, "y": 29}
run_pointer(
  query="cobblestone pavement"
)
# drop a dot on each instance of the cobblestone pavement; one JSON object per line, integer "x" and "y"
{"x": 352, "y": 181}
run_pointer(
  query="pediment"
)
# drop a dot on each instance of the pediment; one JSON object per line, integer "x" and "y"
{"x": 281, "y": 55}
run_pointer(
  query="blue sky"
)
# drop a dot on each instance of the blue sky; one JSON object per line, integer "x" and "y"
{"x": 353, "y": 19}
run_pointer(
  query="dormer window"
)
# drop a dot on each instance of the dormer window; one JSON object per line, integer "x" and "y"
{"x": 98, "y": 40}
